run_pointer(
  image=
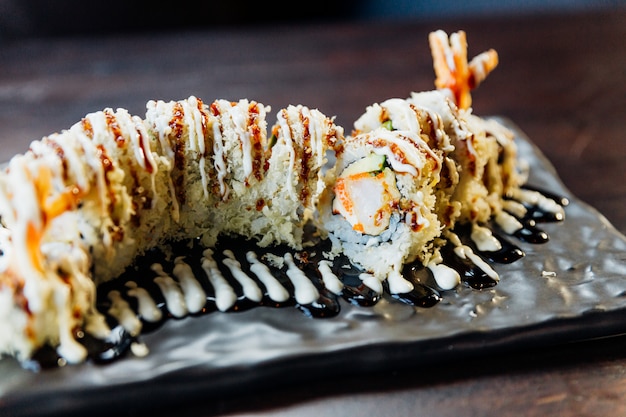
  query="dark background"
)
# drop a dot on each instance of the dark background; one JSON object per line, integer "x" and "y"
{"x": 37, "y": 18}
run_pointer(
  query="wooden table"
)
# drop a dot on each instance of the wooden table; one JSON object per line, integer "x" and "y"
{"x": 562, "y": 79}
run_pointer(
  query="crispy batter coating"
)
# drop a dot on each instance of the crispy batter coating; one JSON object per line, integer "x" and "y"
{"x": 452, "y": 69}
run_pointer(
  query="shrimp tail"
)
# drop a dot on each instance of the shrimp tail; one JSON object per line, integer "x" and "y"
{"x": 453, "y": 72}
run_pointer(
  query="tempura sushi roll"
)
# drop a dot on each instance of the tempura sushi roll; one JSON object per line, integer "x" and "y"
{"x": 81, "y": 205}
{"x": 415, "y": 175}
{"x": 381, "y": 211}
{"x": 485, "y": 155}
{"x": 479, "y": 155}
{"x": 434, "y": 120}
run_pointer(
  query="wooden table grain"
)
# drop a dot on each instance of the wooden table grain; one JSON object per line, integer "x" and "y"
{"x": 561, "y": 78}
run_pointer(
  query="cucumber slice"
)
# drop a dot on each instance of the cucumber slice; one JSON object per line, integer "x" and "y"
{"x": 371, "y": 163}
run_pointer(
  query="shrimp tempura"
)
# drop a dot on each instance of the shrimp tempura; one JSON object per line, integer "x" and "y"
{"x": 452, "y": 70}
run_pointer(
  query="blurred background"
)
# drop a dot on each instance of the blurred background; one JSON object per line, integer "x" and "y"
{"x": 37, "y": 18}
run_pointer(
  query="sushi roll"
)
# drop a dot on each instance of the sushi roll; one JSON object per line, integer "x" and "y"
{"x": 381, "y": 211}
{"x": 479, "y": 155}
{"x": 81, "y": 205}
{"x": 390, "y": 207}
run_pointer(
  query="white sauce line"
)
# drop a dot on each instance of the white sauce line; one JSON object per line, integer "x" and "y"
{"x": 174, "y": 298}
{"x": 446, "y": 278}
{"x": 195, "y": 297}
{"x": 274, "y": 288}
{"x": 372, "y": 282}
{"x": 225, "y": 296}
{"x": 484, "y": 239}
{"x": 250, "y": 289}
{"x": 122, "y": 312}
{"x": 305, "y": 291}
{"x": 331, "y": 281}
{"x": 147, "y": 307}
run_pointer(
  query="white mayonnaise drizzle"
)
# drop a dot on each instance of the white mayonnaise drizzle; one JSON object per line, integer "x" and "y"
{"x": 274, "y": 288}
{"x": 397, "y": 165}
{"x": 397, "y": 283}
{"x": 331, "y": 281}
{"x": 454, "y": 121}
{"x": 537, "y": 199}
{"x": 195, "y": 297}
{"x": 415, "y": 216}
{"x": 305, "y": 291}
{"x": 127, "y": 125}
{"x": 146, "y": 307}
{"x": 78, "y": 163}
{"x": 139, "y": 350}
{"x": 47, "y": 291}
{"x": 402, "y": 114}
{"x": 174, "y": 298}
{"x": 250, "y": 289}
{"x": 316, "y": 134}
{"x": 371, "y": 282}
{"x": 415, "y": 152}
{"x": 122, "y": 312}
{"x": 160, "y": 113}
{"x": 193, "y": 120}
{"x": 446, "y": 278}
{"x": 465, "y": 252}
{"x": 26, "y": 205}
{"x": 239, "y": 117}
{"x": 148, "y": 156}
{"x": 515, "y": 208}
{"x": 225, "y": 296}
{"x": 187, "y": 294}
{"x": 68, "y": 348}
{"x": 484, "y": 239}
{"x": 285, "y": 129}
{"x": 135, "y": 130}
{"x": 144, "y": 138}
{"x": 443, "y": 140}
{"x": 219, "y": 158}
{"x": 507, "y": 222}
{"x": 76, "y": 263}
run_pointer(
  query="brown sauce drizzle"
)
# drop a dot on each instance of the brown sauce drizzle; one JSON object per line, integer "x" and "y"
{"x": 87, "y": 127}
{"x": 305, "y": 165}
{"x": 144, "y": 152}
{"x": 108, "y": 167}
{"x": 215, "y": 111}
{"x": 205, "y": 126}
{"x": 114, "y": 127}
{"x": 58, "y": 150}
{"x": 176, "y": 123}
{"x": 256, "y": 137}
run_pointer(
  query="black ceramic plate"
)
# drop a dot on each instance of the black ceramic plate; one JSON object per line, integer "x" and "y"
{"x": 569, "y": 289}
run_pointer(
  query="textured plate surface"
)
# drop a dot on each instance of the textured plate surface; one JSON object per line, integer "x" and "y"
{"x": 571, "y": 288}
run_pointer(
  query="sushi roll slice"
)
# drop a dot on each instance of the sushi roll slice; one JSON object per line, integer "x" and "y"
{"x": 381, "y": 211}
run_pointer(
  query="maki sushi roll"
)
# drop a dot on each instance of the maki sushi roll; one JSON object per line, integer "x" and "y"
{"x": 381, "y": 213}
{"x": 414, "y": 168}
{"x": 81, "y": 205}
